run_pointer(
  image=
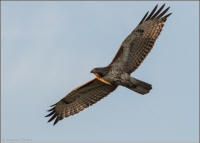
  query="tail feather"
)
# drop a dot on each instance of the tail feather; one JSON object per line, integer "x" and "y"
{"x": 140, "y": 86}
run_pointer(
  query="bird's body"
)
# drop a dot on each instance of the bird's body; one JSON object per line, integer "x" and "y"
{"x": 130, "y": 55}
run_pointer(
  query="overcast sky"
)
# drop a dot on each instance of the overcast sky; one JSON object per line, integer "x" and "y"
{"x": 49, "y": 48}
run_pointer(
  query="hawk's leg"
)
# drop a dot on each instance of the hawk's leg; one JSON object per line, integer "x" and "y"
{"x": 135, "y": 84}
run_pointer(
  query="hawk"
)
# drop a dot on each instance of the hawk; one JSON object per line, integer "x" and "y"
{"x": 130, "y": 55}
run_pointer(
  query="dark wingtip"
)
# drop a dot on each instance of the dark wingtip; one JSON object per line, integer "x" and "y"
{"x": 163, "y": 5}
{"x": 152, "y": 12}
{"x": 156, "y": 13}
{"x": 57, "y": 119}
{"x": 53, "y": 117}
{"x": 165, "y": 11}
{"x": 143, "y": 19}
{"x": 166, "y": 16}
{"x": 159, "y": 10}
{"x": 51, "y": 109}
{"x": 53, "y": 114}
{"x": 50, "y": 114}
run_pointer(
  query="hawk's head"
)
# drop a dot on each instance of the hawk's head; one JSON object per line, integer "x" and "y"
{"x": 99, "y": 71}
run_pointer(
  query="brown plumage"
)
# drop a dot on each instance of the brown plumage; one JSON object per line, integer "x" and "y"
{"x": 141, "y": 40}
{"x": 79, "y": 98}
{"x": 130, "y": 55}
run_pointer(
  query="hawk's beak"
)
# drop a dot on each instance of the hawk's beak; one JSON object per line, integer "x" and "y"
{"x": 92, "y": 71}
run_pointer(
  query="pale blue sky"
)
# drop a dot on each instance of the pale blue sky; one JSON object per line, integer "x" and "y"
{"x": 49, "y": 48}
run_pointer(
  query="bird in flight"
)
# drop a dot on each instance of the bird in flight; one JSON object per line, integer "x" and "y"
{"x": 130, "y": 55}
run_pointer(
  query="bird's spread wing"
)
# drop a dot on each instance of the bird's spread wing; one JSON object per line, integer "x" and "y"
{"x": 79, "y": 99}
{"x": 138, "y": 44}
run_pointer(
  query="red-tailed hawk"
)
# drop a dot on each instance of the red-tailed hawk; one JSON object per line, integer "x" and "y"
{"x": 130, "y": 55}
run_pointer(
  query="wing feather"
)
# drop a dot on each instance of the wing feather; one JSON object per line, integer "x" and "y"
{"x": 79, "y": 99}
{"x": 144, "y": 17}
{"x": 139, "y": 43}
{"x": 152, "y": 12}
